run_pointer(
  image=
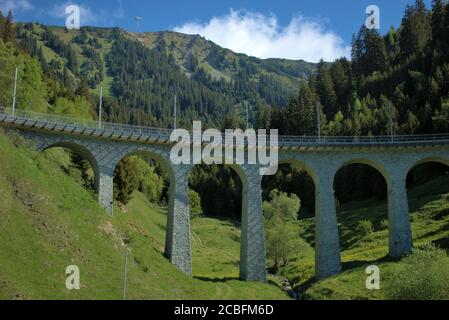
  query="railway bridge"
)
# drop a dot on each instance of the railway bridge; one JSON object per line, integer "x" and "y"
{"x": 321, "y": 157}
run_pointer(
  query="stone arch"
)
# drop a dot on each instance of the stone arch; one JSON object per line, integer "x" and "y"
{"x": 435, "y": 159}
{"x": 160, "y": 158}
{"x": 252, "y": 240}
{"x": 221, "y": 208}
{"x": 84, "y": 152}
{"x": 378, "y": 166}
{"x": 327, "y": 252}
{"x": 177, "y": 241}
{"x": 351, "y": 218}
{"x": 427, "y": 179}
{"x": 303, "y": 165}
{"x": 364, "y": 161}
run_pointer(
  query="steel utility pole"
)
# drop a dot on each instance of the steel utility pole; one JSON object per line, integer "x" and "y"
{"x": 390, "y": 120}
{"x": 247, "y": 115}
{"x": 101, "y": 106}
{"x": 318, "y": 120}
{"x": 126, "y": 270}
{"x": 138, "y": 23}
{"x": 14, "y": 95}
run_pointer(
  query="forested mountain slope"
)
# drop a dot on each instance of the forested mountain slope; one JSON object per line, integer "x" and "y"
{"x": 142, "y": 72}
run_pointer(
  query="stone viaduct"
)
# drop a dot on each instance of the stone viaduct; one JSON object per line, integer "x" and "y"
{"x": 104, "y": 147}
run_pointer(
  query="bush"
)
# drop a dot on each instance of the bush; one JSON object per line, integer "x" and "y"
{"x": 282, "y": 206}
{"x": 422, "y": 275}
{"x": 195, "y": 204}
{"x": 150, "y": 183}
{"x": 282, "y": 242}
{"x": 365, "y": 228}
{"x": 384, "y": 224}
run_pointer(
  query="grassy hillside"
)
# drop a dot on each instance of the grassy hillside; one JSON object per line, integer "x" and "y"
{"x": 48, "y": 222}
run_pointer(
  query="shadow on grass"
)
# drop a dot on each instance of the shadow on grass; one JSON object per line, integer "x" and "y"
{"x": 362, "y": 263}
{"x": 350, "y": 265}
{"x": 442, "y": 243}
{"x": 218, "y": 280}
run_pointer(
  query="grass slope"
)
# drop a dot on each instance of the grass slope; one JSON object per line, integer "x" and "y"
{"x": 48, "y": 222}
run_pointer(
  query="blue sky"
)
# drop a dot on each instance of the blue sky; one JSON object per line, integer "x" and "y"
{"x": 242, "y": 25}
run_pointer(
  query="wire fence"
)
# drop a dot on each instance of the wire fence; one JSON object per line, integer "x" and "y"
{"x": 64, "y": 123}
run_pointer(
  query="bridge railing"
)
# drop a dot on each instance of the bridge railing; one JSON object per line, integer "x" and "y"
{"x": 60, "y": 120}
{"x": 122, "y": 130}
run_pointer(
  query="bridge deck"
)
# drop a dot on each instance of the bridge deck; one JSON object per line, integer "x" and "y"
{"x": 55, "y": 123}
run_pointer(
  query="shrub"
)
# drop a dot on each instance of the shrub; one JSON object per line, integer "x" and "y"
{"x": 384, "y": 224}
{"x": 282, "y": 206}
{"x": 195, "y": 204}
{"x": 365, "y": 228}
{"x": 422, "y": 275}
{"x": 282, "y": 242}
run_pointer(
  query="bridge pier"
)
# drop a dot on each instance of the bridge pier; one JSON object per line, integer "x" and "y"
{"x": 177, "y": 243}
{"x": 104, "y": 183}
{"x": 252, "y": 246}
{"x": 327, "y": 246}
{"x": 400, "y": 233}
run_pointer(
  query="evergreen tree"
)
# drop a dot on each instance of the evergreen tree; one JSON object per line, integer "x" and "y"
{"x": 125, "y": 180}
{"x": 307, "y": 111}
{"x": 369, "y": 52}
{"x": 83, "y": 166}
{"x": 341, "y": 73}
{"x": 416, "y": 29}
{"x": 392, "y": 46}
{"x": 325, "y": 89}
{"x": 2, "y": 25}
{"x": 9, "y": 33}
{"x": 437, "y": 23}
{"x": 445, "y": 44}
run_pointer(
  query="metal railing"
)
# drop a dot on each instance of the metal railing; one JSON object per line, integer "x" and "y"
{"x": 64, "y": 123}
{"x": 73, "y": 123}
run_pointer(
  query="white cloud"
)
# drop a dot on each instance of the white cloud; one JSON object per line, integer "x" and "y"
{"x": 261, "y": 36}
{"x": 15, "y": 5}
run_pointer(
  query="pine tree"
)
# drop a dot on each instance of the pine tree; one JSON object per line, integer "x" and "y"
{"x": 392, "y": 46}
{"x": 376, "y": 53}
{"x": 325, "y": 89}
{"x": 2, "y": 25}
{"x": 125, "y": 180}
{"x": 83, "y": 166}
{"x": 369, "y": 53}
{"x": 445, "y": 44}
{"x": 9, "y": 33}
{"x": 82, "y": 89}
{"x": 307, "y": 111}
{"x": 341, "y": 73}
{"x": 416, "y": 29}
{"x": 437, "y": 23}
